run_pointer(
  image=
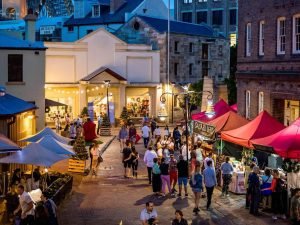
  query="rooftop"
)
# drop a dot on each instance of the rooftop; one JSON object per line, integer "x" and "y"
{"x": 8, "y": 42}
{"x": 105, "y": 18}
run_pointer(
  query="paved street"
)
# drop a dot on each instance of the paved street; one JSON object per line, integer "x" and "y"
{"x": 110, "y": 199}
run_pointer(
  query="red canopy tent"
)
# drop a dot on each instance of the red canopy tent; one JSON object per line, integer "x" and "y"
{"x": 285, "y": 143}
{"x": 220, "y": 108}
{"x": 234, "y": 107}
{"x": 228, "y": 121}
{"x": 262, "y": 126}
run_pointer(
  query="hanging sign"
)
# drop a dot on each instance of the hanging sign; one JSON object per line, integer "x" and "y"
{"x": 204, "y": 129}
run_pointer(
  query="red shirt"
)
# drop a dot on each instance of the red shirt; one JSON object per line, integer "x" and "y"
{"x": 89, "y": 131}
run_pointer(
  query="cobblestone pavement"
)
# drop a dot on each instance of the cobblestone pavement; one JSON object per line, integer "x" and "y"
{"x": 109, "y": 199}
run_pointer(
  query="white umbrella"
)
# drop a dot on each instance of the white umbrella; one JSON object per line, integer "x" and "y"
{"x": 34, "y": 154}
{"x": 44, "y": 132}
{"x": 55, "y": 146}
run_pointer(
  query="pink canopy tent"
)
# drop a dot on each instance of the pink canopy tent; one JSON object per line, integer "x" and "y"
{"x": 220, "y": 108}
{"x": 285, "y": 143}
{"x": 262, "y": 126}
{"x": 234, "y": 107}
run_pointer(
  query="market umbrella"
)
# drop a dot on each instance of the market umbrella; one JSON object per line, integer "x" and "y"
{"x": 285, "y": 143}
{"x": 262, "y": 126}
{"x": 220, "y": 108}
{"x": 44, "y": 132}
{"x": 34, "y": 154}
{"x": 6, "y": 145}
{"x": 55, "y": 146}
{"x": 228, "y": 121}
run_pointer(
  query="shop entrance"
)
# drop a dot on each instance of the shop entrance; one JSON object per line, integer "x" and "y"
{"x": 139, "y": 105}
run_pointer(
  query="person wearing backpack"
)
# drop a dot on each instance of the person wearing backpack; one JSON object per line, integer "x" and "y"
{"x": 197, "y": 186}
{"x": 267, "y": 194}
{"x": 277, "y": 201}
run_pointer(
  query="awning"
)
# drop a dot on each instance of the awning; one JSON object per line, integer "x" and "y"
{"x": 262, "y": 126}
{"x": 49, "y": 103}
{"x": 55, "y": 146}
{"x": 285, "y": 143}
{"x": 7, "y": 145}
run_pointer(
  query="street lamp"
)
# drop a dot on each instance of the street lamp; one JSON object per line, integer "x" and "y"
{"x": 186, "y": 94}
{"x": 173, "y": 85}
{"x": 107, "y": 85}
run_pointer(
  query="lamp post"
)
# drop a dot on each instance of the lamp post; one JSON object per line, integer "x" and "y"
{"x": 107, "y": 84}
{"x": 172, "y": 84}
{"x": 186, "y": 97}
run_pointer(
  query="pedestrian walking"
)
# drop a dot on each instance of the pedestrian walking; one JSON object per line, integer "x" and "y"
{"x": 156, "y": 180}
{"x": 248, "y": 171}
{"x": 132, "y": 134}
{"x": 26, "y": 207}
{"x": 148, "y": 159}
{"x": 123, "y": 135}
{"x": 149, "y": 215}
{"x": 254, "y": 190}
{"x": 173, "y": 172}
{"x": 134, "y": 162}
{"x": 145, "y": 135}
{"x": 183, "y": 173}
{"x": 165, "y": 176}
{"x": 209, "y": 158}
{"x": 153, "y": 126}
{"x": 193, "y": 160}
{"x": 73, "y": 131}
{"x": 179, "y": 220}
{"x": 166, "y": 131}
{"x": 95, "y": 154}
{"x": 295, "y": 207}
{"x": 199, "y": 154}
{"x": 266, "y": 194}
{"x": 196, "y": 185}
{"x": 157, "y": 132}
{"x": 57, "y": 123}
{"x": 127, "y": 160}
{"x": 227, "y": 170}
{"x": 210, "y": 181}
{"x": 166, "y": 154}
{"x": 89, "y": 130}
{"x": 51, "y": 209}
{"x": 99, "y": 121}
{"x": 177, "y": 138}
{"x": 159, "y": 150}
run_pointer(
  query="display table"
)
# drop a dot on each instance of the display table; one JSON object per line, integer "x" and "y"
{"x": 237, "y": 185}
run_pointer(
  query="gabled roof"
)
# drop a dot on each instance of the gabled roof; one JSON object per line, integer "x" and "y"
{"x": 8, "y": 42}
{"x": 10, "y": 105}
{"x": 105, "y": 18}
{"x": 100, "y": 71}
{"x": 178, "y": 27}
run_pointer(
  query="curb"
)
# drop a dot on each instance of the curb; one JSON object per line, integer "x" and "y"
{"x": 103, "y": 149}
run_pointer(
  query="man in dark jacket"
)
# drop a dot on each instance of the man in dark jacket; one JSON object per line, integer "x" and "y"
{"x": 254, "y": 190}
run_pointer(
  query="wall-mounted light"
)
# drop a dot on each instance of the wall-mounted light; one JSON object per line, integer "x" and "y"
{"x": 2, "y": 91}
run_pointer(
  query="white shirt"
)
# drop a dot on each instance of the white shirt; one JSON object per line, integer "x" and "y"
{"x": 157, "y": 132}
{"x": 199, "y": 156}
{"x": 145, "y": 215}
{"x": 209, "y": 159}
{"x": 25, "y": 200}
{"x": 145, "y": 131}
{"x": 148, "y": 158}
{"x": 183, "y": 150}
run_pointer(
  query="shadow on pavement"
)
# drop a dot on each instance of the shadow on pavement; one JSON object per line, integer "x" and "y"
{"x": 197, "y": 220}
{"x": 155, "y": 199}
{"x": 180, "y": 203}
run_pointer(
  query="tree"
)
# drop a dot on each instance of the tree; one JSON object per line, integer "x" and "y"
{"x": 231, "y": 81}
{"x": 84, "y": 111}
{"x": 80, "y": 150}
{"x": 105, "y": 126}
{"x": 196, "y": 99}
{"x": 124, "y": 115}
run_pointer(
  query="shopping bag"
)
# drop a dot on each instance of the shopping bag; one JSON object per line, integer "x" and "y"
{"x": 137, "y": 138}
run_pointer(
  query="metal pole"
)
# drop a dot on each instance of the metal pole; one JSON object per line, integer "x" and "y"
{"x": 168, "y": 59}
{"x": 172, "y": 105}
{"x": 107, "y": 101}
{"x": 186, "y": 128}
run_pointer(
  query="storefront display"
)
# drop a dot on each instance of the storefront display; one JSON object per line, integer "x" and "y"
{"x": 138, "y": 106}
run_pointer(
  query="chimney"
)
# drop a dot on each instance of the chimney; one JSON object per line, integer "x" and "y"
{"x": 115, "y": 5}
{"x": 30, "y": 21}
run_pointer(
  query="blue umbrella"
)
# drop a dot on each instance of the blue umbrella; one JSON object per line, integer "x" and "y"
{"x": 6, "y": 145}
{"x": 55, "y": 146}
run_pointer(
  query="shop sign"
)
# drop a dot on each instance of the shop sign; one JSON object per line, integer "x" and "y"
{"x": 204, "y": 129}
{"x": 44, "y": 30}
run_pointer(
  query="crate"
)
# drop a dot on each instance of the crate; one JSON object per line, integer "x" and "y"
{"x": 76, "y": 166}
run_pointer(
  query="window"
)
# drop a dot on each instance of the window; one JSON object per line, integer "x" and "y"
{"x": 187, "y": 1}
{"x": 204, "y": 51}
{"x": 70, "y": 28}
{"x": 248, "y": 95}
{"x": 191, "y": 69}
{"x": 248, "y": 40}
{"x": 205, "y": 69}
{"x": 15, "y": 68}
{"x": 217, "y": 17}
{"x": 202, "y": 17}
{"x": 191, "y": 47}
{"x": 296, "y": 34}
{"x": 96, "y": 10}
{"x": 202, "y": 0}
{"x": 281, "y": 35}
{"x": 176, "y": 69}
{"x": 260, "y": 102}
{"x": 187, "y": 17}
{"x": 261, "y": 38}
{"x": 176, "y": 46}
{"x": 232, "y": 19}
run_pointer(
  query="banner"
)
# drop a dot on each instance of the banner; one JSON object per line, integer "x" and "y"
{"x": 91, "y": 110}
{"x": 111, "y": 112}
{"x": 204, "y": 129}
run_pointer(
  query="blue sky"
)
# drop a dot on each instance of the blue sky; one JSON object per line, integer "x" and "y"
{"x": 172, "y": 3}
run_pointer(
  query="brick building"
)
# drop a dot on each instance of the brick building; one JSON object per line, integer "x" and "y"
{"x": 268, "y": 72}
{"x": 196, "y": 51}
{"x": 219, "y": 14}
